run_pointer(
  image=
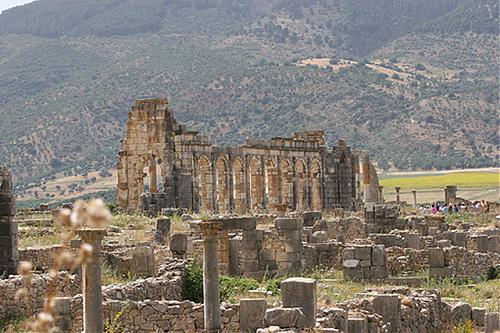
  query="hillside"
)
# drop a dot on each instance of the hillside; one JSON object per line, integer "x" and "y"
{"x": 420, "y": 90}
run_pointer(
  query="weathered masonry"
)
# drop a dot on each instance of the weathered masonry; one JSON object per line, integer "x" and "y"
{"x": 9, "y": 257}
{"x": 186, "y": 171}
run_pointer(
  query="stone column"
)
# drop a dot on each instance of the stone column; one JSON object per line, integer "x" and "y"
{"x": 414, "y": 198}
{"x": 211, "y": 295}
{"x": 381, "y": 194}
{"x": 450, "y": 194}
{"x": 93, "y": 321}
{"x": 366, "y": 177}
{"x": 153, "y": 188}
{"x": 398, "y": 198}
{"x": 9, "y": 258}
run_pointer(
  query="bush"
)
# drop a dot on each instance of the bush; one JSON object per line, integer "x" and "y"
{"x": 192, "y": 289}
{"x": 494, "y": 272}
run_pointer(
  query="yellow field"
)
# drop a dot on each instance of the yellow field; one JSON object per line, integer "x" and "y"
{"x": 459, "y": 179}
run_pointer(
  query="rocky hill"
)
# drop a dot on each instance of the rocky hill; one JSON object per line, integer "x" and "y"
{"x": 413, "y": 81}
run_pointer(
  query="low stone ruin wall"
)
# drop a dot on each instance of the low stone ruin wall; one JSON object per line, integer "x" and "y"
{"x": 458, "y": 262}
{"x": 42, "y": 258}
{"x": 150, "y": 316}
{"x": 365, "y": 263}
{"x": 10, "y": 306}
{"x": 167, "y": 286}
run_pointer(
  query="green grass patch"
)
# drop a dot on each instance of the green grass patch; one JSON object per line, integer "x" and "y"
{"x": 460, "y": 179}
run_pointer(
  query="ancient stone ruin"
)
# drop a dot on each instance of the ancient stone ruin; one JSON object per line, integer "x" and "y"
{"x": 187, "y": 171}
{"x": 8, "y": 227}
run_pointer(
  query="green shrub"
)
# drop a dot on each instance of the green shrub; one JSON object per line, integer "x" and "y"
{"x": 192, "y": 289}
{"x": 494, "y": 272}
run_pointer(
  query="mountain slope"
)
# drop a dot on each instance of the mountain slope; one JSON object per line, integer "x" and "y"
{"x": 420, "y": 90}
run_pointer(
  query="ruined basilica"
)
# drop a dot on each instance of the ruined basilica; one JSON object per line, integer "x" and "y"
{"x": 187, "y": 171}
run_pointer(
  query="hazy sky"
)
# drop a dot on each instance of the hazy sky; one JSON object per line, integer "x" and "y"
{"x": 4, "y": 4}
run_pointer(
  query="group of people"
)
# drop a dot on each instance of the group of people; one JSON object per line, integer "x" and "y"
{"x": 451, "y": 208}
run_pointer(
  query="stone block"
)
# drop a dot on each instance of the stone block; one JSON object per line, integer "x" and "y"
{"x": 143, "y": 261}
{"x": 461, "y": 312}
{"x": 365, "y": 263}
{"x": 378, "y": 255}
{"x": 250, "y": 246}
{"x": 163, "y": 225}
{"x": 440, "y": 272}
{"x": 284, "y": 317}
{"x": 319, "y": 237}
{"x": 357, "y": 325}
{"x": 239, "y": 223}
{"x": 311, "y": 217}
{"x": 287, "y": 256}
{"x": 389, "y": 307}
{"x": 354, "y": 274}
{"x": 491, "y": 322}
{"x": 234, "y": 262}
{"x": 249, "y": 266}
{"x": 180, "y": 243}
{"x": 494, "y": 244}
{"x": 252, "y": 314}
{"x": 460, "y": 239}
{"x": 436, "y": 257}
{"x": 267, "y": 255}
{"x": 282, "y": 223}
{"x": 378, "y": 273}
{"x": 301, "y": 292}
{"x": 413, "y": 240}
{"x": 348, "y": 253}
{"x": 363, "y": 252}
{"x": 253, "y": 235}
{"x": 482, "y": 243}
{"x": 478, "y": 315}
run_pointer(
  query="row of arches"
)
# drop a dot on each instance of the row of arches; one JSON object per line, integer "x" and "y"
{"x": 258, "y": 183}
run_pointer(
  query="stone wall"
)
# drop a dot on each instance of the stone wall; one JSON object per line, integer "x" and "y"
{"x": 150, "y": 316}
{"x": 167, "y": 286}
{"x": 10, "y": 306}
{"x": 458, "y": 262}
{"x": 365, "y": 263}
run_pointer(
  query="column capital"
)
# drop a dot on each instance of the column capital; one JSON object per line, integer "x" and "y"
{"x": 91, "y": 235}
{"x": 398, "y": 188}
{"x": 210, "y": 229}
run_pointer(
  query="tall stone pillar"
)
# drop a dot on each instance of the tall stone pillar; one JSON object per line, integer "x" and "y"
{"x": 9, "y": 258}
{"x": 211, "y": 294}
{"x": 398, "y": 198}
{"x": 366, "y": 178}
{"x": 93, "y": 321}
{"x": 414, "y": 192}
{"x": 450, "y": 194}
{"x": 153, "y": 181}
{"x": 381, "y": 194}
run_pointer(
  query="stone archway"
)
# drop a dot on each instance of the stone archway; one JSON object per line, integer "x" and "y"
{"x": 239, "y": 193}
